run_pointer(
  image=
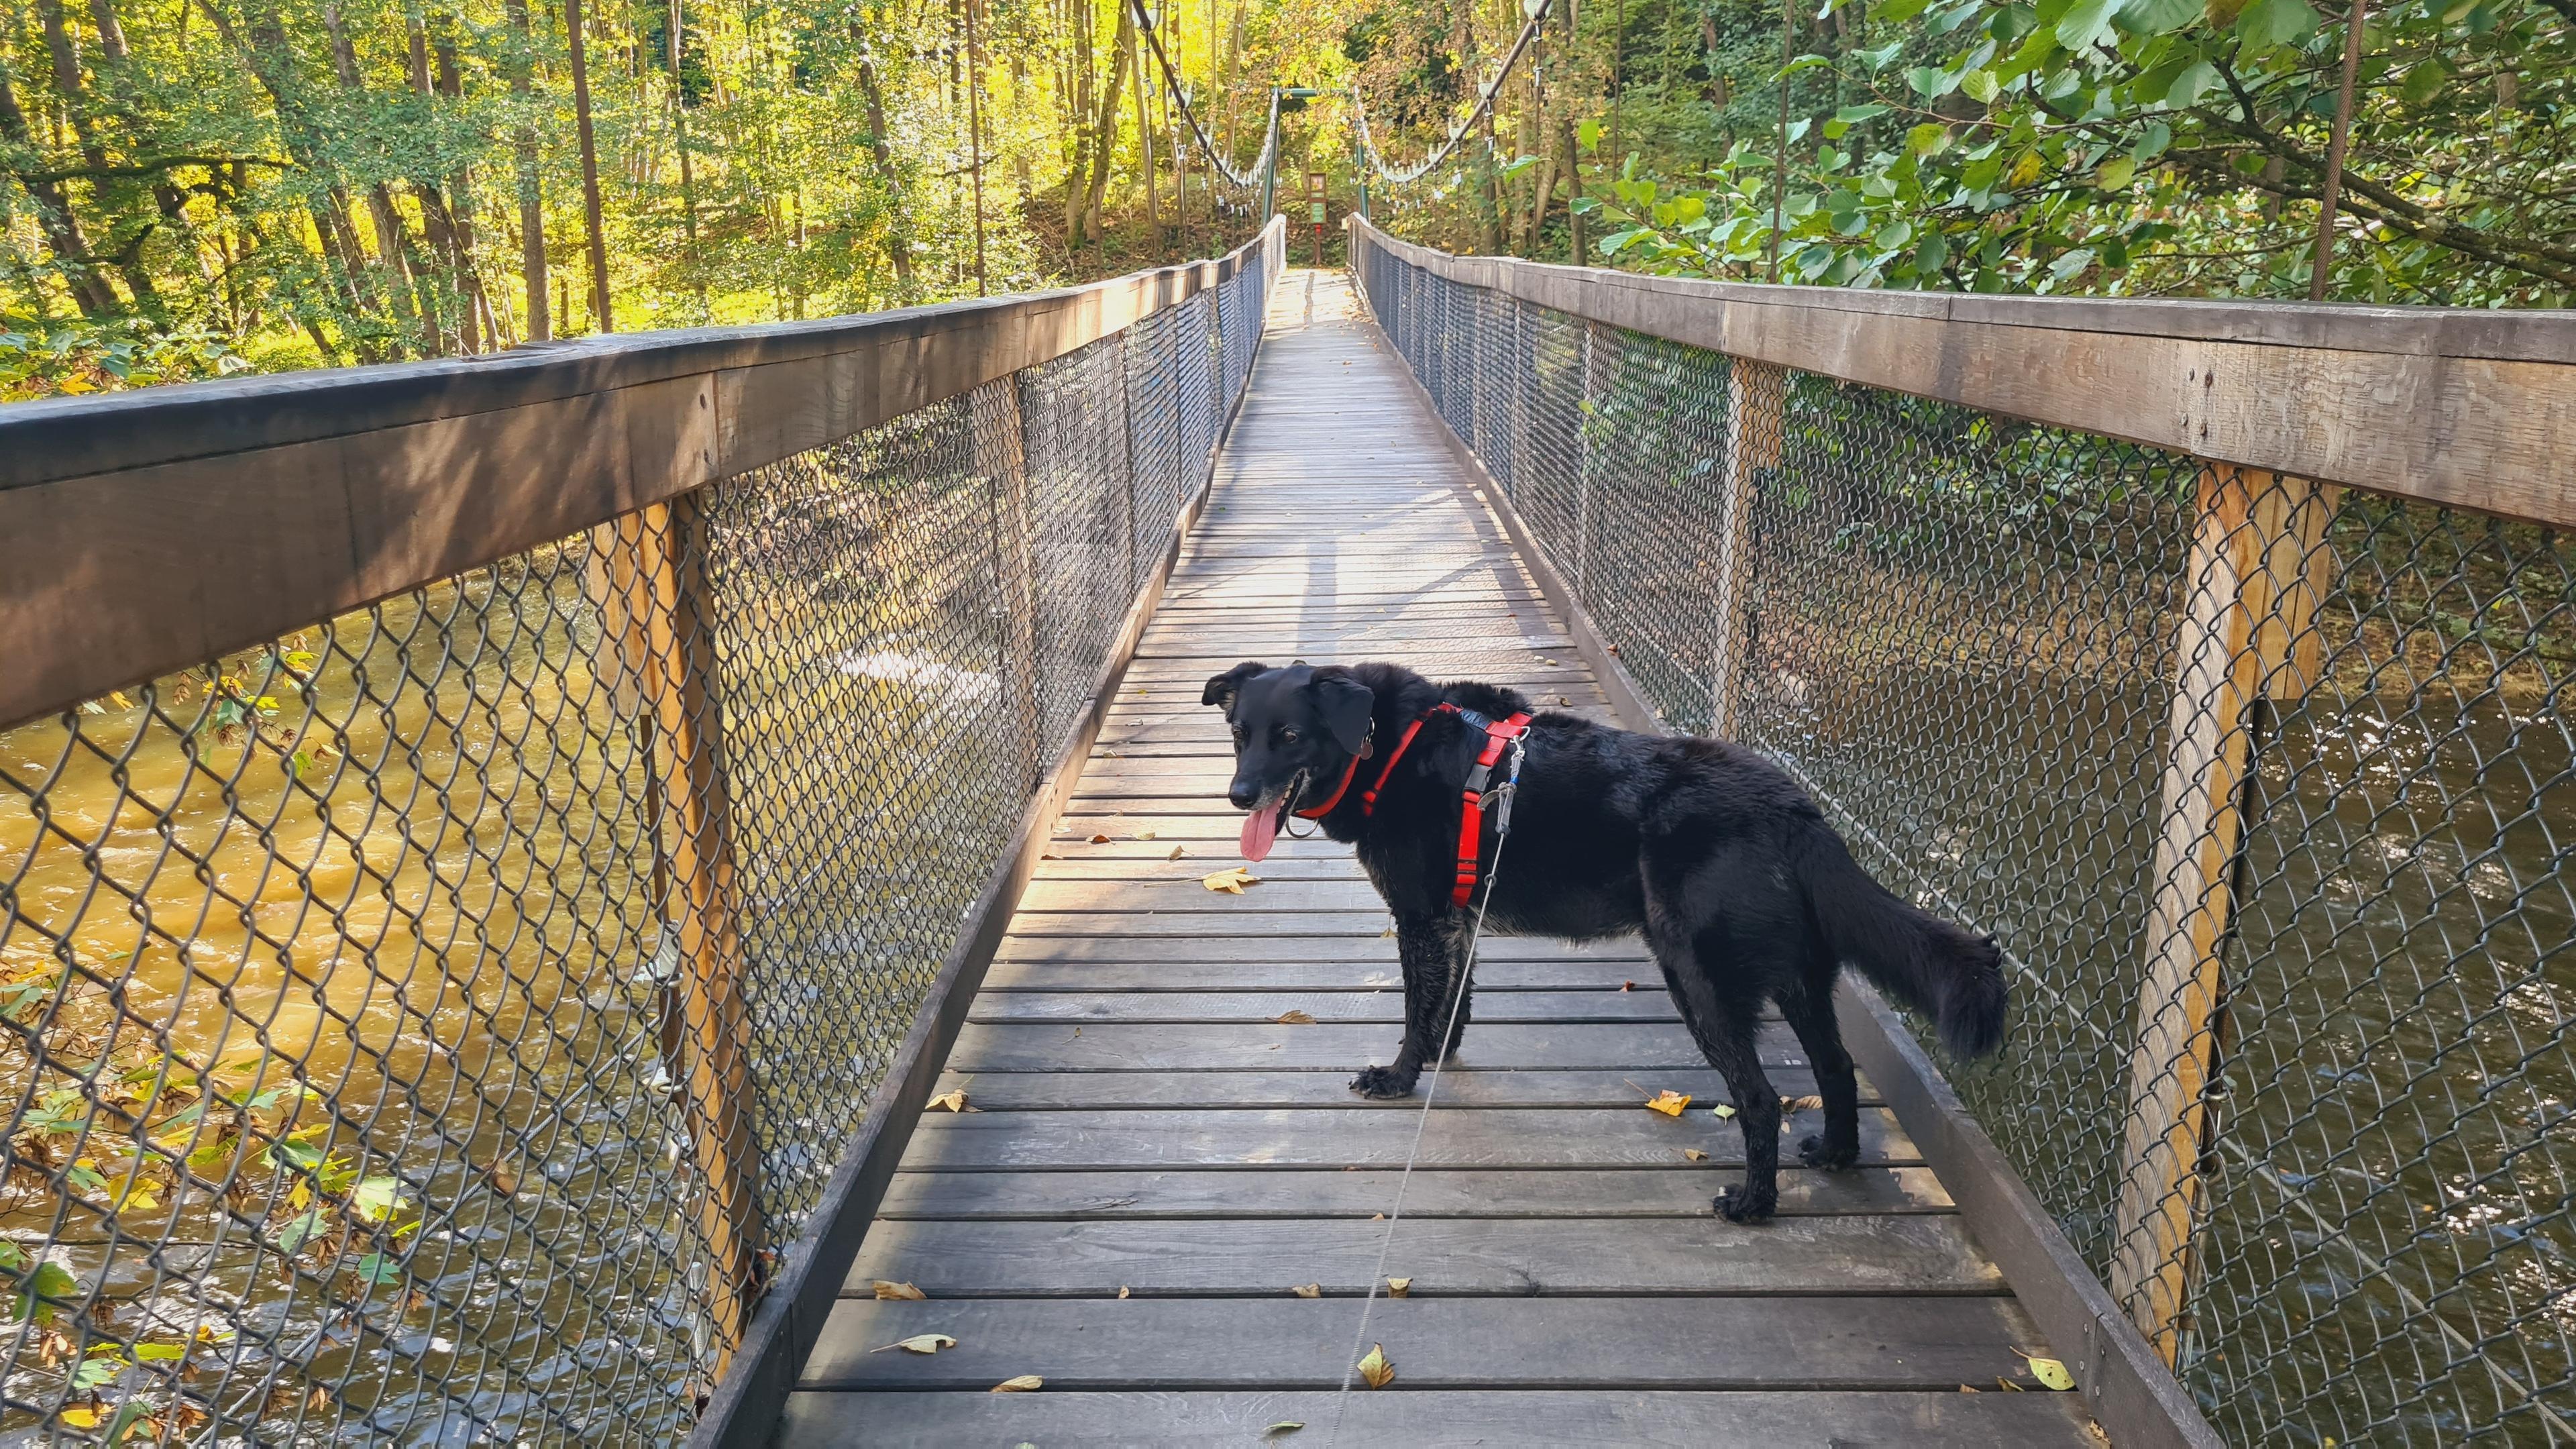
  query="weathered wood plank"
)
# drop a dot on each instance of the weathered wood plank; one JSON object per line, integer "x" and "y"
{"x": 1330, "y": 1047}
{"x": 1682, "y": 1419}
{"x": 1501, "y": 1137}
{"x": 1383, "y": 1005}
{"x": 1004, "y": 1091}
{"x": 1675, "y": 1191}
{"x": 1298, "y": 973}
{"x": 1117, "y": 946}
{"x": 1544, "y": 1343}
{"x": 1445, "y": 1257}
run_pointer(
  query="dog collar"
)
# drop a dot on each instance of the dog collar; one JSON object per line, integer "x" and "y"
{"x": 1353, "y": 768}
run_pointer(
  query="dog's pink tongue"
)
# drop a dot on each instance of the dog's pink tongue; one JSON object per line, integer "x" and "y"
{"x": 1260, "y": 828}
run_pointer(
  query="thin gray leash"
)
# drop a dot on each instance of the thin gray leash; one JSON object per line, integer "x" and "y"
{"x": 1457, "y": 996}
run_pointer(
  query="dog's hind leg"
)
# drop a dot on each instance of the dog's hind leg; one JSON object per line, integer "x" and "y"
{"x": 1809, "y": 1007}
{"x": 1723, "y": 1018}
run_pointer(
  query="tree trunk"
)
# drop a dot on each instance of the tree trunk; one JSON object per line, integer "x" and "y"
{"x": 898, "y": 211}
{"x": 1104, "y": 139}
{"x": 1077, "y": 181}
{"x": 599, "y": 291}
{"x": 1144, "y": 133}
{"x": 54, "y": 215}
{"x": 532, "y": 200}
{"x": 393, "y": 239}
{"x": 1574, "y": 251}
{"x": 688, "y": 175}
{"x": 482, "y": 329}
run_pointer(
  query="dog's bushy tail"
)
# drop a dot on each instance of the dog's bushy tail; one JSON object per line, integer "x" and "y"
{"x": 1949, "y": 974}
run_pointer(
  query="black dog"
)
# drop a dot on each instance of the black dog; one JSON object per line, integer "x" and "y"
{"x": 1741, "y": 889}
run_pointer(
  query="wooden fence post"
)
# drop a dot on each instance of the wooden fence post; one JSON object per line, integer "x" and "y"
{"x": 2251, "y": 592}
{"x": 655, "y": 612}
{"x": 1587, "y": 413}
{"x": 1757, "y": 417}
{"x": 1001, "y": 455}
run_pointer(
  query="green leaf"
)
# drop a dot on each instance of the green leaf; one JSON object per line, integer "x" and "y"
{"x": 1898, "y": 11}
{"x": 2158, "y": 17}
{"x": 2424, "y": 82}
{"x": 2151, "y": 142}
{"x": 299, "y": 1230}
{"x": 2276, "y": 22}
{"x": 377, "y": 1269}
{"x": 1981, "y": 86}
{"x": 2071, "y": 264}
{"x": 377, "y": 1198}
{"x": 1893, "y": 235}
{"x": 2194, "y": 82}
{"x": 2087, "y": 25}
{"x": 1931, "y": 255}
{"x": 1588, "y": 135}
{"x": 2116, "y": 174}
{"x": 98, "y": 1370}
{"x": 1853, "y": 115}
{"x": 160, "y": 1352}
{"x": 1927, "y": 139}
{"x": 1931, "y": 82}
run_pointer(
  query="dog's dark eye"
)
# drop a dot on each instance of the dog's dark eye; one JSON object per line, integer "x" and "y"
{"x": 1287, "y": 737}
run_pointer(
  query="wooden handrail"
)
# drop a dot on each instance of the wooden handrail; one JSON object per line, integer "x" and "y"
{"x": 2471, "y": 408}
{"x": 149, "y": 531}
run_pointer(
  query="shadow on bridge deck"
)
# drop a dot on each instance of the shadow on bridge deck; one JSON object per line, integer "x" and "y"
{"x": 1156, "y": 1163}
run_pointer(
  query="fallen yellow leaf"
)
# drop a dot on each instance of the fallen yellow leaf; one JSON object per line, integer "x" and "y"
{"x": 1398, "y": 1287}
{"x": 2050, "y": 1372}
{"x": 1024, "y": 1384}
{"x": 1099, "y": 838}
{"x": 948, "y": 1101}
{"x": 886, "y": 1289}
{"x": 1122, "y": 1290}
{"x": 1802, "y": 1104}
{"x": 1230, "y": 880}
{"x": 1283, "y": 1427}
{"x": 1293, "y": 1018}
{"x": 80, "y": 1418}
{"x": 920, "y": 1343}
{"x": 1308, "y": 1290}
{"x": 1721, "y": 1111}
{"x": 1175, "y": 855}
{"x": 1694, "y": 1154}
{"x": 1375, "y": 1369}
{"x": 1967, "y": 1388}
{"x": 1144, "y": 835}
{"x": 1669, "y": 1102}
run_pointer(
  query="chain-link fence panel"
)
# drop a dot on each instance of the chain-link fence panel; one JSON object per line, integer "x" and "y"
{"x": 2265, "y": 790}
{"x": 429, "y": 1028}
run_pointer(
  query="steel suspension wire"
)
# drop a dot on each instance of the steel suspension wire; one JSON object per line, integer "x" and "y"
{"x": 1261, "y": 164}
{"x": 1484, "y": 102}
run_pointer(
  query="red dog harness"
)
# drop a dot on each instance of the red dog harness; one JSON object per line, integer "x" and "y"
{"x": 1499, "y": 735}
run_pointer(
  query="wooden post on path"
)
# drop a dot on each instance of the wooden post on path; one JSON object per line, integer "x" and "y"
{"x": 2255, "y": 572}
{"x": 656, "y": 615}
{"x": 1757, "y": 417}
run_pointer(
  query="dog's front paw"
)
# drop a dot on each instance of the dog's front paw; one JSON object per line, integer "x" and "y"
{"x": 1384, "y": 1083}
{"x": 1813, "y": 1152}
{"x": 1744, "y": 1205}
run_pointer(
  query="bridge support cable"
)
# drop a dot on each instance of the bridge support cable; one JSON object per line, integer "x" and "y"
{"x": 1261, "y": 174}
{"x": 1537, "y": 12}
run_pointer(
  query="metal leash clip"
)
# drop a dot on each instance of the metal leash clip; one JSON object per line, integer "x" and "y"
{"x": 1504, "y": 792}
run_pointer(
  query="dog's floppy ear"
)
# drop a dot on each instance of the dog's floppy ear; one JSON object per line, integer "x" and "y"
{"x": 1220, "y": 688}
{"x": 1344, "y": 703}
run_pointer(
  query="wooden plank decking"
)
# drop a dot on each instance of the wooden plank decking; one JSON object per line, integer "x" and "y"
{"x": 1156, "y": 1161}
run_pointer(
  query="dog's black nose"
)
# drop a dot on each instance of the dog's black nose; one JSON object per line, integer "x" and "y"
{"x": 1242, "y": 795}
